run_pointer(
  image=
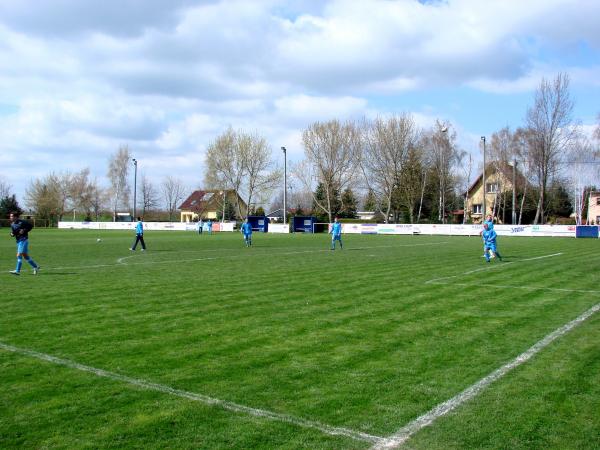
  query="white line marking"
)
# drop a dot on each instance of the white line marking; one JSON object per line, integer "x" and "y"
{"x": 407, "y": 431}
{"x": 300, "y": 422}
{"x": 488, "y": 267}
{"x": 531, "y": 288}
{"x": 120, "y": 261}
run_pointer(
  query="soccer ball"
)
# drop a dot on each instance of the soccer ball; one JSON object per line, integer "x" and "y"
{"x": 98, "y": 240}
{"x": 492, "y": 254}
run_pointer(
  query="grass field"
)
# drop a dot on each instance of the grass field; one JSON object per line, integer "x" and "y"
{"x": 202, "y": 343}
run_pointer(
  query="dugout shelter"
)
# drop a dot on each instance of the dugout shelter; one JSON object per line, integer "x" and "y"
{"x": 259, "y": 223}
{"x": 303, "y": 224}
{"x": 586, "y": 231}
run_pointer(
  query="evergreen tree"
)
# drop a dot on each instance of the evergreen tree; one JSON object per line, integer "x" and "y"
{"x": 348, "y": 209}
{"x": 9, "y": 204}
{"x": 230, "y": 211}
{"x": 559, "y": 204}
{"x": 370, "y": 201}
{"x": 320, "y": 196}
{"x": 259, "y": 211}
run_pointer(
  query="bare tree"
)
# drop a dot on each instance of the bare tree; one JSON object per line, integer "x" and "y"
{"x": 501, "y": 155}
{"x": 332, "y": 152}
{"x": 521, "y": 145}
{"x": 118, "y": 171}
{"x": 149, "y": 195}
{"x": 43, "y": 197}
{"x": 582, "y": 172}
{"x": 173, "y": 192}
{"x": 549, "y": 121}
{"x": 465, "y": 161}
{"x": 241, "y": 162}
{"x": 261, "y": 175}
{"x": 388, "y": 143}
{"x": 440, "y": 142}
{"x": 98, "y": 198}
{"x": 298, "y": 199}
{"x": 81, "y": 192}
{"x": 413, "y": 176}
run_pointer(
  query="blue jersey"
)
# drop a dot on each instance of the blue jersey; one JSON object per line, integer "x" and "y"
{"x": 489, "y": 237}
{"x": 336, "y": 229}
{"x": 20, "y": 229}
{"x": 490, "y": 224}
{"x": 139, "y": 228}
{"x": 246, "y": 228}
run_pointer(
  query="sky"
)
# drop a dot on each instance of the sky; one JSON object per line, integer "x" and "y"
{"x": 80, "y": 78}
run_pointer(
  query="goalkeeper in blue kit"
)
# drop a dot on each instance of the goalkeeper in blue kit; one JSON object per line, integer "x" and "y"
{"x": 489, "y": 241}
{"x": 336, "y": 234}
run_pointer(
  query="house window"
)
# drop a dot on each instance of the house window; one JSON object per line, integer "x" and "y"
{"x": 477, "y": 209}
{"x": 597, "y": 200}
{"x": 492, "y": 188}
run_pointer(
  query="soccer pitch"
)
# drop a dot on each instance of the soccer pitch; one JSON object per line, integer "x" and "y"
{"x": 392, "y": 342}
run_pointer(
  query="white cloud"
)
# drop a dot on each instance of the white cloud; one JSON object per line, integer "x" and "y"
{"x": 78, "y": 78}
{"x": 312, "y": 109}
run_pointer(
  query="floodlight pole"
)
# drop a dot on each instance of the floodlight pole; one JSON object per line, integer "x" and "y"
{"x": 134, "y": 186}
{"x": 284, "y": 184}
{"x": 445, "y": 133}
{"x": 514, "y": 193}
{"x": 483, "y": 181}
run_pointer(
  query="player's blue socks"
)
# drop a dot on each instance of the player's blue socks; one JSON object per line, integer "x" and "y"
{"x": 31, "y": 262}
{"x": 19, "y": 264}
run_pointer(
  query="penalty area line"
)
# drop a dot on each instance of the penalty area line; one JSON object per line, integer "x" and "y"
{"x": 528, "y": 288}
{"x": 495, "y": 266}
{"x": 407, "y": 431}
{"x": 205, "y": 399}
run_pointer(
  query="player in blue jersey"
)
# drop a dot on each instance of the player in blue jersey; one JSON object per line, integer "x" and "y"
{"x": 209, "y": 226}
{"x": 199, "y": 225}
{"x": 336, "y": 233}
{"x": 20, "y": 229}
{"x": 246, "y": 230}
{"x": 489, "y": 238}
{"x": 490, "y": 223}
{"x": 139, "y": 235}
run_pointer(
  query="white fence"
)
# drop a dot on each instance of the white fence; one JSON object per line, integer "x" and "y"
{"x": 459, "y": 230}
{"x": 347, "y": 228}
{"x": 152, "y": 226}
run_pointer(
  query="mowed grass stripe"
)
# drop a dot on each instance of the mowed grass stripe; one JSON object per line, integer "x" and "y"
{"x": 406, "y": 432}
{"x": 194, "y": 396}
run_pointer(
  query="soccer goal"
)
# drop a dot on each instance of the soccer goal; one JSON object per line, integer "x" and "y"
{"x": 303, "y": 224}
{"x": 321, "y": 227}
